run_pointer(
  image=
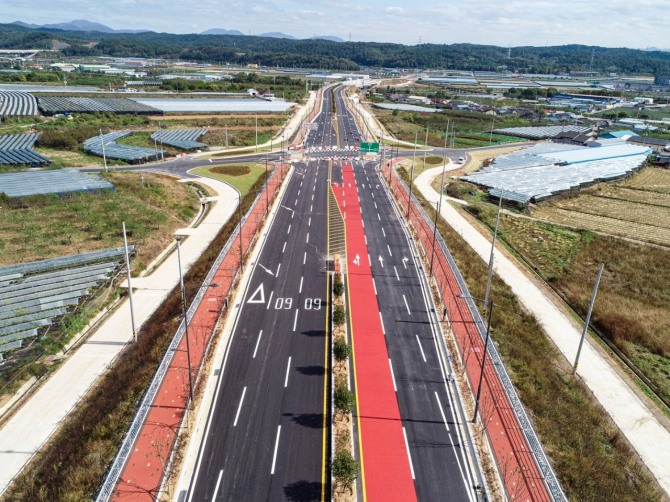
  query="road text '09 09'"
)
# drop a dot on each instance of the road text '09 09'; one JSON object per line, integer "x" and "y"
{"x": 287, "y": 303}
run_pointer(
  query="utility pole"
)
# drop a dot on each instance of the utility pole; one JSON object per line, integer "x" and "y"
{"x": 256, "y": 133}
{"x": 493, "y": 247}
{"x": 588, "y": 318}
{"x": 130, "y": 287}
{"x": 411, "y": 176}
{"x": 184, "y": 316}
{"x": 439, "y": 203}
{"x": 425, "y": 150}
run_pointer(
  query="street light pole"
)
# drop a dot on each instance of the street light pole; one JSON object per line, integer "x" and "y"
{"x": 411, "y": 176}
{"x": 481, "y": 374}
{"x": 439, "y": 205}
{"x": 183, "y": 313}
{"x": 493, "y": 247}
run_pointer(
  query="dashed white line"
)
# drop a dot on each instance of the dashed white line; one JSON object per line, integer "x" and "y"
{"x": 289, "y": 229}
{"x": 296, "y": 202}
{"x": 411, "y": 467}
{"x": 304, "y": 258}
{"x": 295, "y": 320}
{"x": 406, "y": 306}
{"x": 239, "y": 407}
{"x": 300, "y": 290}
{"x": 421, "y": 349}
{"x": 312, "y": 196}
{"x": 309, "y": 222}
{"x": 284, "y": 247}
{"x": 375, "y": 205}
{"x": 298, "y": 193}
{"x": 311, "y": 208}
{"x": 307, "y": 241}
{"x": 374, "y": 286}
{"x": 258, "y": 342}
{"x": 270, "y": 300}
{"x": 288, "y": 370}
{"x": 278, "y": 267}
{"x": 369, "y": 260}
{"x": 218, "y": 483}
{"x": 274, "y": 457}
{"x": 392, "y": 376}
{"x": 366, "y": 239}
{"x": 379, "y": 217}
{"x": 383, "y": 231}
{"x": 396, "y": 273}
{"x": 389, "y": 248}
{"x": 381, "y": 320}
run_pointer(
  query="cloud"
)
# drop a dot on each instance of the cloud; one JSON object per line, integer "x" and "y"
{"x": 394, "y": 10}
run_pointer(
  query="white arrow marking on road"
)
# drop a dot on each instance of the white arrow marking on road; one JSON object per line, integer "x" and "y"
{"x": 404, "y": 261}
{"x": 381, "y": 261}
{"x": 357, "y": 260}
{"x": 258, "y": 296}
{"x": 267, "y": 270}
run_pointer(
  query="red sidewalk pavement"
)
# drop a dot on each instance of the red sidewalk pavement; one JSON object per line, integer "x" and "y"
{"x": 516, "y": 464}
{"x": 144, "y": 469}
{"x": 385, "y": 468}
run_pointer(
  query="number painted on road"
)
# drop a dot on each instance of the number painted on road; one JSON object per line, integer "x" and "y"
{"x": 313, "y": 303}
{"x": 283, "y": 303}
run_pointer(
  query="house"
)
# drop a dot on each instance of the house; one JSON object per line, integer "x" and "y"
{"x": 574, "y": 138}
{"x": 658, "y": 145}
{"x": 618, "y": 134}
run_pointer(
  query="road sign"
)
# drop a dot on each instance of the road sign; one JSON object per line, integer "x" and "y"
{"x": 369, "y": 147}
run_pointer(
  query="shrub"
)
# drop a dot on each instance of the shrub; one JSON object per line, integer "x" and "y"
{"x": 345, "y": 468}
{"x": 338, "y": 289}
{"x": 341, "y": 349}
{"x": 345, "y": 400}
{"x": 338, "y": 315}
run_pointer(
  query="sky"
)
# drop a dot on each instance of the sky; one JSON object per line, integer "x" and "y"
{"x": 610, "y": 23}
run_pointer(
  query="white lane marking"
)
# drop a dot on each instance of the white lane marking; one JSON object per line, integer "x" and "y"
{"x": 239, "y": 407}
{"x": 366, "y": 239}
{"x": 411, "y": 467}
{"x": 344, "y": 203}
{"x": 300, "y": 290}
{"x": 311, "y": 208}
{"x": 292, "y": 214}
{"x": 296, "y": 202}
{"x": 301, "y": 183}
{"x": 375, "y": 205}
{"x": 295, "y": 320}
{"x": 406, "y": 306}
{"x": 389, "y": 248}
{"x": 274, "y": 457}
{"x": 374, "y": 286}
{"x": 289, "y": 229}
{"x": 309, "y": 223}
{"x": 258, "y": 342}
{"x": 278, "y": 267}
{"x": 396, "y": 272}
{"x": 270, "y": 300}
{"x": 444, "y": 418}
{"x": 298, "y": 192}
{"x": 304, "y": 258}
{"x": 312, "y": 196}
{"x": 383, "y": 231}
{"x": 421, "y": 349}
{"x": 363, "y": 223}
{"x": 379, "y": 217}
{"x": 314, "y": 187}
{"x": 283, "y": 249}
{"x": 382, "y": 321}
{"x": 307, "y": 241}
{"x": 392, "y": 376}
{"x": 369, "y": 260}
{"x": 373, "y": 195}
{"x": 288, "y": 369}
{"x": 218, "y": 480}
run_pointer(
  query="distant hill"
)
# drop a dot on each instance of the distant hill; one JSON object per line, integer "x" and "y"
{"x": 277, "y": 34}
{"x": 330, "y": 38}
{"x": 76, "y": 25}
{"x": 221, "y": 31}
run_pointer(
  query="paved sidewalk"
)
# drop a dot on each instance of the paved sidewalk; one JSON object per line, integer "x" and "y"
{"x": 636, "y": 421}
{"x": 32, "y": 425}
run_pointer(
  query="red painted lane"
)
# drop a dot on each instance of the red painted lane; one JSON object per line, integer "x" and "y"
{"x": 143, "y": 472}
{"x": 385, "y": 468}
{"x": 519, "y": 472}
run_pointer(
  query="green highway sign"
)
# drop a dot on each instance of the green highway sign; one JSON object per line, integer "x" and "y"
{"x": 369, "y": 147}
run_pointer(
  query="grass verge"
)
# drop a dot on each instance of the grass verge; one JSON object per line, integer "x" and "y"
{"x": 232, "y": 175}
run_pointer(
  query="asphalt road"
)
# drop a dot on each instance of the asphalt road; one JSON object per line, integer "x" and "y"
{"x": 265, "y": 435}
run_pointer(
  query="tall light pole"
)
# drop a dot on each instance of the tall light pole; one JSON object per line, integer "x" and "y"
{"x": 256, "y": 133}
{"x": 411, "y": 176}
{"x": 425, "y": 149}
{"x": 588, "y": 318}
{"x": 486, "y": 350}
{"x": 130, "y": 287}
{"x": 183, "y": 313}
{"x": 493, "y": 247}
{"x": 439, "y": 203}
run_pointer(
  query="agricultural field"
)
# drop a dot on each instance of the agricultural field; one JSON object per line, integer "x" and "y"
{"x": 472, "y": 128}
{"x": 637, "y": 208}
{"x": 565, "y": 240}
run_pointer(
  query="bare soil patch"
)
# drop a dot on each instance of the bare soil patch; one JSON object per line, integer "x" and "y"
{"x": 231, "y": 170}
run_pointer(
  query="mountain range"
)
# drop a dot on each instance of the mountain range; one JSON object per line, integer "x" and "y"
{"x": 89, "y": 26}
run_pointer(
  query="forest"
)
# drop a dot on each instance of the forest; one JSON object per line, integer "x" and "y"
{"x": 331, "y": 55}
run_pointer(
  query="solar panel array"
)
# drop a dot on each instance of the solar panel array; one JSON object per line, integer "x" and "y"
{"x": 540, "y": 132}
{"x": 114, "y": 150}
{"x": 51, "y": 105}
{"x": 18, "y": 149}
{"x": 180, "y": 138}
{"x": 17, "y": 103}
{"x": 34, "y": 296}
{"x": 57, "y": 181}
{"x": 539, "y": 172}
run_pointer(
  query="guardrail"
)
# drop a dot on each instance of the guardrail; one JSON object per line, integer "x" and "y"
{"x": 425, "y": 229}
